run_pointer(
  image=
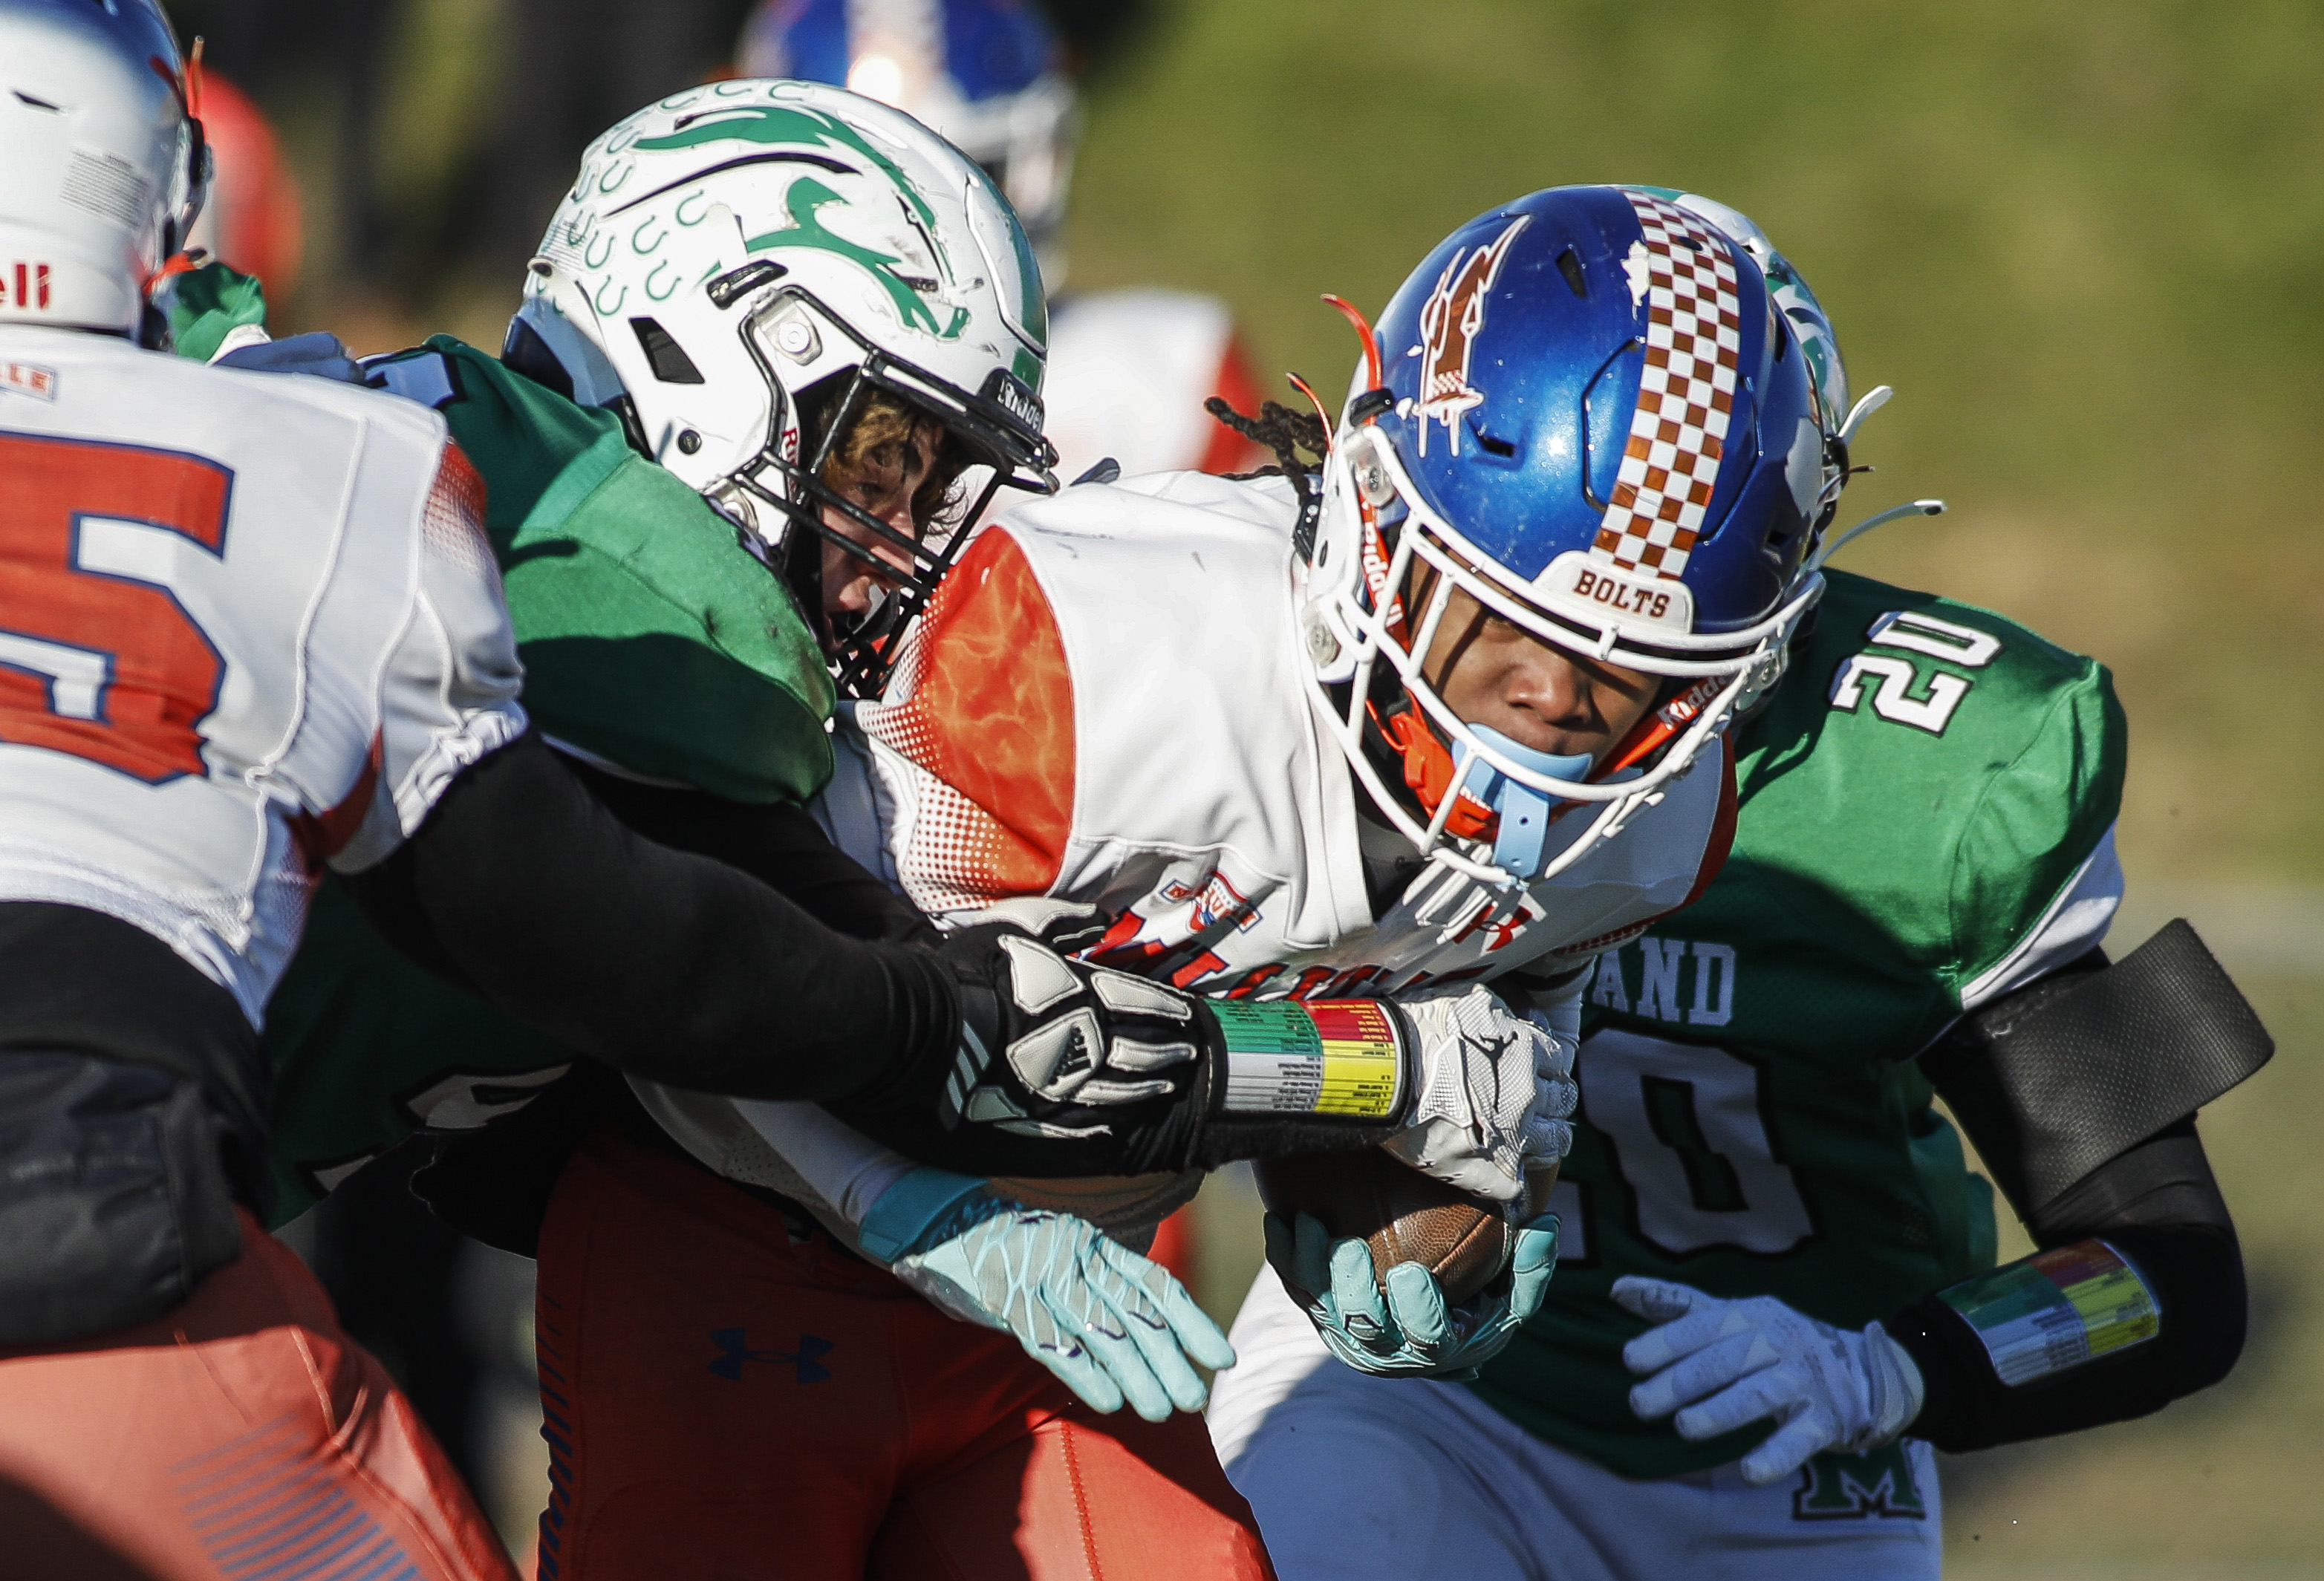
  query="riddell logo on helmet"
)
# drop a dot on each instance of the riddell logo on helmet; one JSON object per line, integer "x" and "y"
{"x": 1451, "y": 320}
{"x": 31, "y": 283}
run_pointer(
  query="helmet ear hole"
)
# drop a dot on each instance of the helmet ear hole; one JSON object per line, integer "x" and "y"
{"x": 664, "y": 355}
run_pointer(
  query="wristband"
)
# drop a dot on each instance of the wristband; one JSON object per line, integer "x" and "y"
{"x": 900, "y": 1220}
{"x": 2056, "y": 1311}
{"x": 1312, "y": 1057}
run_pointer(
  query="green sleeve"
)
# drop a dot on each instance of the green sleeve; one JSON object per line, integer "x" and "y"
{"x": 650, "y": 638}
{"x": 365, "y": 1047}
{"x": 2036, "y": 823}
{"x": 205, "y": 305}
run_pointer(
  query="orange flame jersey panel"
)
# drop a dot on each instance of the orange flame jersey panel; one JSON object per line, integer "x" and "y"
{"x": 988, "y": 713}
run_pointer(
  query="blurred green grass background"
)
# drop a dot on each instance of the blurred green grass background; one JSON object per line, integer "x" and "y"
{"x": 2086, "y": 245}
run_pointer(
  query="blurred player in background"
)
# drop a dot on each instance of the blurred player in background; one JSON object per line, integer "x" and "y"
{"x": 254, "y": 220}
{"x": 1765, "y": 1230}
{"x": 1128, "y": 369}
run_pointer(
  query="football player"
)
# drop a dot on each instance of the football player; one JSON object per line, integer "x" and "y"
{"x": 255, "y": 630}
{"x": 1777, "y": 1291}
{"x": 1130, "y": 369}
{"x": 1426, "y": 727}
{"x": 824, "y": 323}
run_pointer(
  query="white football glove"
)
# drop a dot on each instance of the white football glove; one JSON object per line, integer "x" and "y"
{"x": 1722, "y": 1364}
{"x": 1496, "y": 1089}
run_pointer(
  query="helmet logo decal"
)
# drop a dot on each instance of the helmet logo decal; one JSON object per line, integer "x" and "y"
{"x": 783, "y": 124}
{"x": 1686, "y": 393}
{"x": 807, "y": 229}
{"x": 1450, "y": 322}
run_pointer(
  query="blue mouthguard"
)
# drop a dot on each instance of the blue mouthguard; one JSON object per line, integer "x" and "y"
{"x": 1522, "y": 833}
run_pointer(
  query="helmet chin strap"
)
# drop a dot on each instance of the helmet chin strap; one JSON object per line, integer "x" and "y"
{"x": 1524, "y": 814}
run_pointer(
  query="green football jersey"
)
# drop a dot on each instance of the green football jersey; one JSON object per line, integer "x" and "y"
{"x": 650, "y": 639}
{"x": 1925, "y": 806}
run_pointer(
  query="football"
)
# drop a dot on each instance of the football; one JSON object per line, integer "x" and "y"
{"x": 1401, "y": 1214}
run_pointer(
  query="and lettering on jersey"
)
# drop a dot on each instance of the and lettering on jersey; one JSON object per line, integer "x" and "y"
{"x": 1706, "y": 997}
{"x": 1751, "y": 1120}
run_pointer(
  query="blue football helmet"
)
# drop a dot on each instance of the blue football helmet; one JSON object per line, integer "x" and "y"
{"x": 1586, "y": 410}
{"x": 984, "y": 75}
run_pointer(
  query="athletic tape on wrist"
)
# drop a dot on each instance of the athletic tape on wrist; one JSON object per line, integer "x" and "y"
{"x": 1312, "y": 1057}
{"x": 2057, "y": 1311}
{"x": 900, "y": 1220}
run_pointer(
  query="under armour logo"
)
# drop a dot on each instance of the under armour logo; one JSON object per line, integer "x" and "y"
{"x": 807, "y": 1358}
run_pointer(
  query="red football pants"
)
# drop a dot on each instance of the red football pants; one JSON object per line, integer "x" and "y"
{"x": 725, "y": 1404}
{"x": 241, "y": 1436}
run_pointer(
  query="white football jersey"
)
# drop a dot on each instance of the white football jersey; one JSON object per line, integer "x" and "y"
{"x": 1128, "y": 373}
{"x": 1106, "y": 702}
{"x": 249, "y": 624}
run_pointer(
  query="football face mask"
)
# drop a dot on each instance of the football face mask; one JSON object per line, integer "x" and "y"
{"x": 744, "y": 259}
{"x": 1584, "y": 412}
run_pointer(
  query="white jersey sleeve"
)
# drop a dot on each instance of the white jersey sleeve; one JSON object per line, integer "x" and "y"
{"x": 449, "y": 690}
{"x": 232, "y": 647}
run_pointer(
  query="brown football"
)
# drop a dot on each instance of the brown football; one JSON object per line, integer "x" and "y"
{"x": 1403, "y": 1215}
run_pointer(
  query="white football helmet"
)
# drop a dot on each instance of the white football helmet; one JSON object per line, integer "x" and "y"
{"x": 983, "y": 74}
{"x": 735, "y": 256}
{"x": 103, "y": 165}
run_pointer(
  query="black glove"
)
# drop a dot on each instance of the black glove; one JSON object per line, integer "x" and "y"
{"x": 1056, "y": 1048}
{"x": 1065, "y": 1068}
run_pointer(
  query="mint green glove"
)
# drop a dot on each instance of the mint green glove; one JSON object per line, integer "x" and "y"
{"x": 1412, "y": 1333}
{"x": 1109, "y": 1323}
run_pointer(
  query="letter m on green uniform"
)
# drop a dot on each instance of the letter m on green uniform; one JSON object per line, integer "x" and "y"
{"x": 1857, "y": 1487}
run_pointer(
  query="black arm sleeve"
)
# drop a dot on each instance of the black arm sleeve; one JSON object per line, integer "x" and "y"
{"x": 524, "y": 889}
{"x": 781, "y": 847}
{"x": 2156, "y": 1203}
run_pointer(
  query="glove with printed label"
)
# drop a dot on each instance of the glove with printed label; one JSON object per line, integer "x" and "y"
{"x": 1722, "y": 1365}
{"x": 1062, "y": 1067}
{"x": 1411, "y": 1333}
{"x": 1110, "y": 1324}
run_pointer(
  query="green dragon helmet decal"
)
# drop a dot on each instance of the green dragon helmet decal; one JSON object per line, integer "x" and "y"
{"x": 805, "y": 230}
{"x": 734, "y": 248}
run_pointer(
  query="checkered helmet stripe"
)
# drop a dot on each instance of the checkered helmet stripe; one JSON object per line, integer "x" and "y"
{"x": 1686, "y": 391}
